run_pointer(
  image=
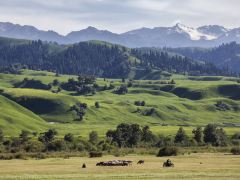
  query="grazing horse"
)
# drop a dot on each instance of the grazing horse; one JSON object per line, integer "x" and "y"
{"x": 140, "y": 162}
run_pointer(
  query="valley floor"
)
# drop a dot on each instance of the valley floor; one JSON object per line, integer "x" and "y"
{"x": 194, "y": 166}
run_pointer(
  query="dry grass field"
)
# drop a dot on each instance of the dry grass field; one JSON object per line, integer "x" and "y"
{"x": 194, "y": 166}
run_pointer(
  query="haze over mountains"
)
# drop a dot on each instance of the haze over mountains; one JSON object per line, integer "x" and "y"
{"x": 176, "y": 36}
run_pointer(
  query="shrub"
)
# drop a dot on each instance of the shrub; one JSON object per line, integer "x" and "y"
{"x": 93, "y": 154}
{"x": 167, "y": 151}
{"x": 47, "y": 136}
{"x": 57, "y": 145}
{"x": 235, "y": 150}
{"x": 80, "y": 146}
{"x": 55, "y": 82}
{"x": 236, "y": 142}
{"x": 40, "y": 156}
{"x": 139, "y": 103}
{"x": 6, "y": 156}
{"x": 97, "y": 105}
{"x": 236, "y": 136}
{"x": 149, "y": 112}
{"x": 122, "y": 89}
{"x": 20, "y": 156}
{"x": 34, "y": 146}
{"x": 93, "y": 137}
{"x": 69, "y": 137}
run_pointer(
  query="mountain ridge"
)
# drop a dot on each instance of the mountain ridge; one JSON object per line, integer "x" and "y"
{"x": 178, "y": 35}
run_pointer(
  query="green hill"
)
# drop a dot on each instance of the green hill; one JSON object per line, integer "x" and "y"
{"x": 14, "y": 118}
{"x": 188, "y": 102}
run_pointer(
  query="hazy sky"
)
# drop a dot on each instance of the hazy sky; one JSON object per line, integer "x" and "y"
{"x": 64, "y": 16}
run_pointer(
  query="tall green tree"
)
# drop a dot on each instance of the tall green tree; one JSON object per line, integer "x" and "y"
{"x": 181, "y": 136}
{"x": 198, "y": 134}
{"x": 215, "y": 136}
{"x": 93, "y": 137}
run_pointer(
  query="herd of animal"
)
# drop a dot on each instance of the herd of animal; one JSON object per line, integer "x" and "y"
{"x": 168, "y": 163}
{"x": 115, "y": 163}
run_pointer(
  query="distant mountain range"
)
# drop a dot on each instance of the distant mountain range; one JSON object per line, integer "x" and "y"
{"x": 176, "y": 36}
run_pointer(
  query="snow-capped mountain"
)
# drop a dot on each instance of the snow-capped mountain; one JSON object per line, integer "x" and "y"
{"x": 213, "y": 30}
{"x": 177, "y": 36}
{"x": 194, "y": 34}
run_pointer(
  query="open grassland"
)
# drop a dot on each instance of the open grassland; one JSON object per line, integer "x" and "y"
{"x": 195, "y": 167}
{"x": 191, "y": 101}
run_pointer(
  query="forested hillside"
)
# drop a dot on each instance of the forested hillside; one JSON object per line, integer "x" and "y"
{"x": 226, "y": 55}
{"x": 97, "y": 58}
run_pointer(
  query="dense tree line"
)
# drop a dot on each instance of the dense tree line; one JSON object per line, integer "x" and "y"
{"x": 83, "y": 58}
{"x": 174, "y": 63}
{"x": 225, "y": 56}
{"x": 124, "y": 136}
{"x": 131, "y": 135}
{"x": 98, "y": 59}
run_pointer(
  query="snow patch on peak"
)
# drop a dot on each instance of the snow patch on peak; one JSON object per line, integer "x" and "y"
{"x": 193, "y": 33}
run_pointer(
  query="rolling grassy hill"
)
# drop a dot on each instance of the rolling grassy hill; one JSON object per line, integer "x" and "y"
{"x": 189, "y": 102}
{"x": 14, "y": 118}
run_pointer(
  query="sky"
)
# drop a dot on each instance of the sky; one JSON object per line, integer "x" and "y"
{"x": 119, "y": 16}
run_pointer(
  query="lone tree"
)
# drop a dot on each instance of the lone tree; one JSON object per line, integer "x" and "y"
{"x": 210, "y": 133}
{"x": 198, "y": 134}
{"x": 181, "y": 136}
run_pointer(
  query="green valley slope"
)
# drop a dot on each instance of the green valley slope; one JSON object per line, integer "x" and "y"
{"x": 14, "y": 118}
{"x": 189, "y": 102}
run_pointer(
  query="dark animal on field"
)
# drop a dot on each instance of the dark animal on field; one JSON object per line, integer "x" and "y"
{"x": 115, "y": 163}
{"x": 100, "y": 164}
{"x": 84, "y": 165}
{"x": 128, "y": 162}
{"x": 140, "y": 162}
{"x": 168, "y": 163}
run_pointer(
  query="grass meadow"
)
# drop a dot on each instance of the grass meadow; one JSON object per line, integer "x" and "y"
{"x": 204, "y": 166}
